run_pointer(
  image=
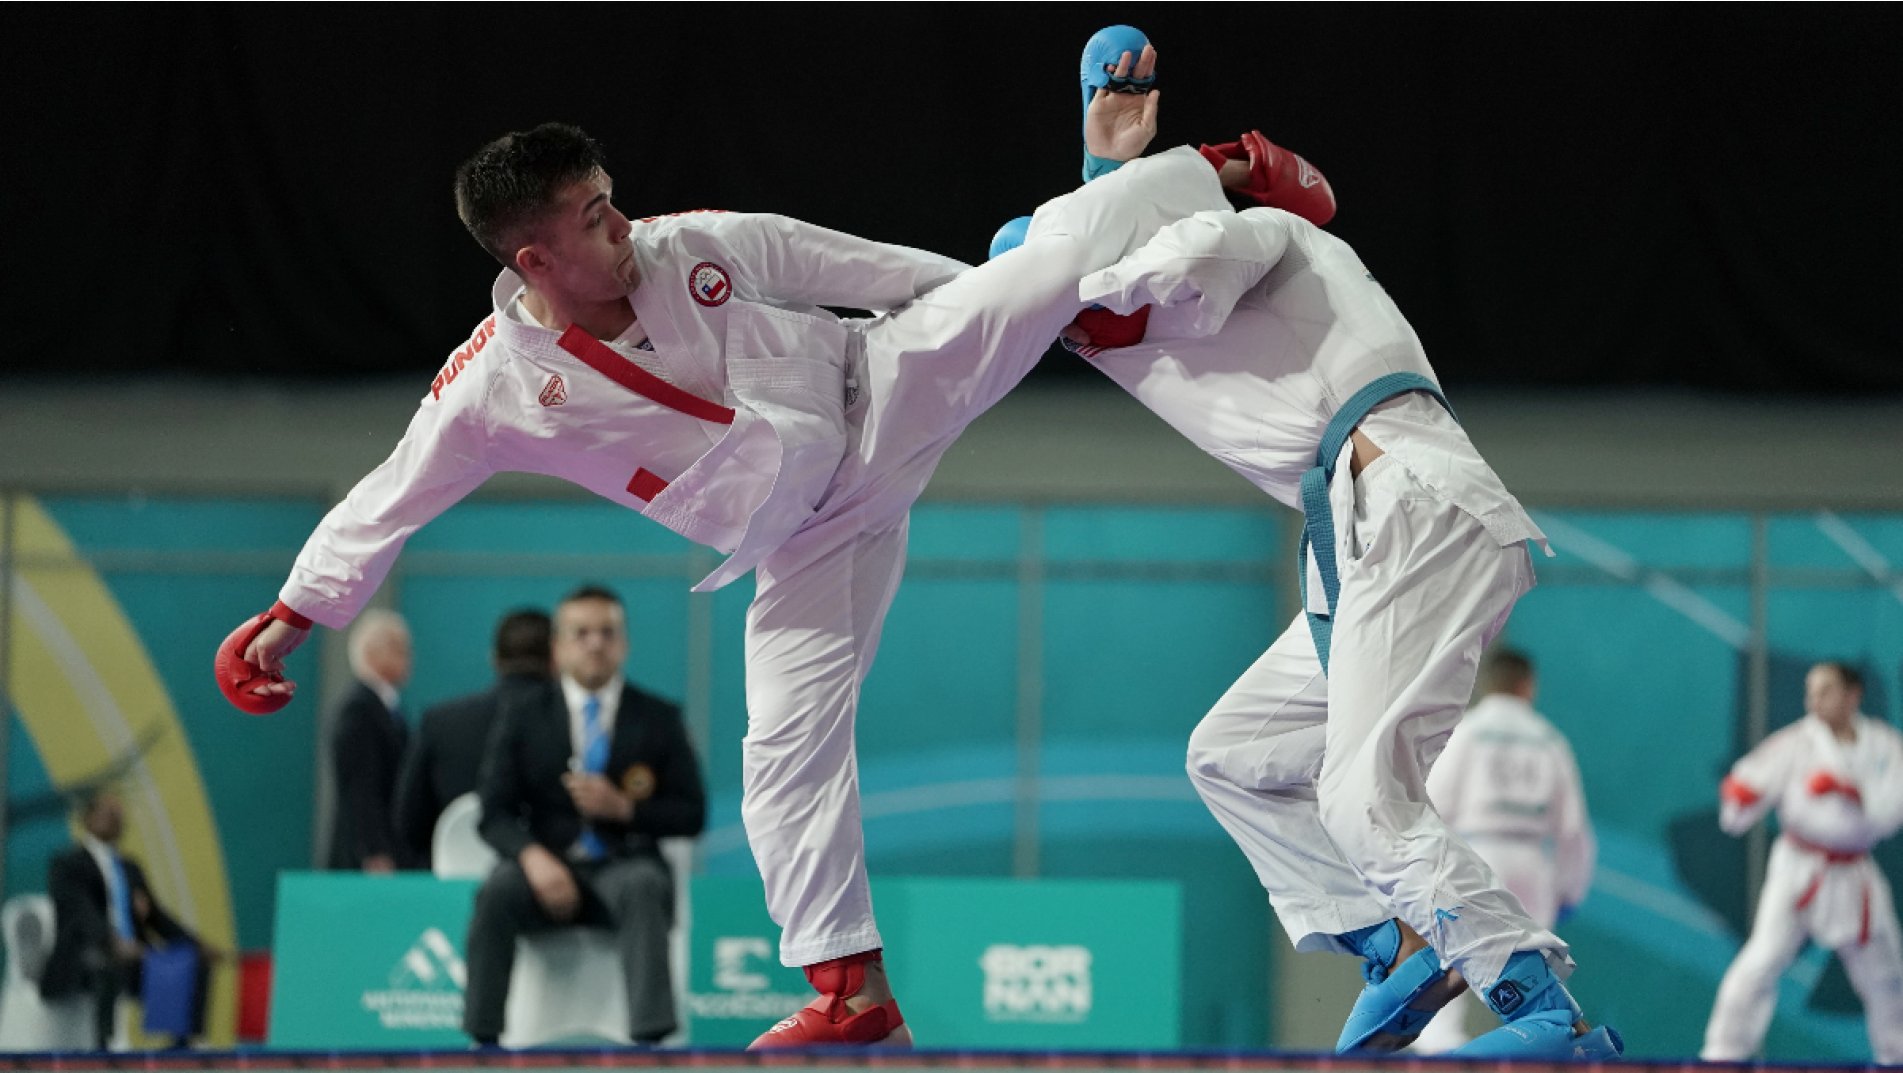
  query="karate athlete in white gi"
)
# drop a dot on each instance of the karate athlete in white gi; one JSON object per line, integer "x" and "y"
{"x": 1836, "y": 780}
{"x": 681, "y": 367}
{"x": 1509, "y": 785}
{"x": 1270, "y": 345}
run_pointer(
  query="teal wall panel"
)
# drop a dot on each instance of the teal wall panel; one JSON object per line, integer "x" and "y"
{"x": 1641, "y": 625}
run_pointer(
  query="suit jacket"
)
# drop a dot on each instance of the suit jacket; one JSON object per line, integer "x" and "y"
{"x": 82, "y": 922}
{"x": 523, "y": 799}
{"x": 445, "y": 760}
{"x": 366, "y": 752}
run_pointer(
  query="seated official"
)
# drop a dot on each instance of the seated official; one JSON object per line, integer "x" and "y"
{"x": 106, "y": 921}
{"x": 580, "y": 781}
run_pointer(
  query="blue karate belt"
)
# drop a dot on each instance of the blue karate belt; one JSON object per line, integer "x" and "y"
{"x": 1318, "y": 519}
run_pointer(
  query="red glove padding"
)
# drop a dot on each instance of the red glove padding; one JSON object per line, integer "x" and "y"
{"x": 1278, "y": 178}
{"x": 1109, "y": 330}
{"x": 238, "y": 677}
{"x": 1737, "y": 792}
{"x": 1823, "y": 782}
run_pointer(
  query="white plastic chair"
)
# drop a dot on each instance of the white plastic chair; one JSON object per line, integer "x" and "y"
{"x": 567, "y": 984}
{"x": 27, "y": 1021}
{"x": 457, "y": 850}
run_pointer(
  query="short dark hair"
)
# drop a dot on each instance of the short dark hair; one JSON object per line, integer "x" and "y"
{"x": 1848, "y": 675}
{"x": 522, "y": 642}
{"x": 514, "y": 180}
{"x": 1505, "y": 670}
{"x": 86, "y": 798}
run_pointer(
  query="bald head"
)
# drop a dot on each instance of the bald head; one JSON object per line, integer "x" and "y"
{"x": 380, "y": 648}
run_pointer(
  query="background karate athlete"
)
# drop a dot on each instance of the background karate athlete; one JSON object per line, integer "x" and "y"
{"x": 1509, "y": 785}
{"x": 1835, "y": 778}
{"x": 1262, "y": 331}
{"x": 757, "y": 424}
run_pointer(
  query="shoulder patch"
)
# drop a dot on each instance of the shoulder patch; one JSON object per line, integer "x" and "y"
{"x": 462, "y": 357}
{"x": 709, "y": 284}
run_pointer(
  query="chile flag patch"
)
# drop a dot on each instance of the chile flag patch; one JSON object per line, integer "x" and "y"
{"x": 708, "y": 284}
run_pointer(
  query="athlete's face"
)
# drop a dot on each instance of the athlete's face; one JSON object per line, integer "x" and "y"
{"x": 1827, "y": 697}
{"x": 582, "y": 248}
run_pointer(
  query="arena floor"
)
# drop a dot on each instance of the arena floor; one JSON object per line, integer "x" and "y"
{"x": 922, "y": 1061}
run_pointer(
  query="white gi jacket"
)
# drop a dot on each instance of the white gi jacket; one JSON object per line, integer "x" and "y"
{"x": 1821, "y": 864}
{"x": 1508, "y": 783}
{"x": 1261, "y": 326}
{"x": 727, "y": 433}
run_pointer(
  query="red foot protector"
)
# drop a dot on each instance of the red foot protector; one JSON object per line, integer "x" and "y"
{"x": 1278, "y": 178}
{"x": 826, "y": 1023}
{"x": 237, "y": 677}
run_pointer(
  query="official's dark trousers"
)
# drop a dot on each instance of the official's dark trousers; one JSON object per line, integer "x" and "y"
{"x": 632, "y": 896}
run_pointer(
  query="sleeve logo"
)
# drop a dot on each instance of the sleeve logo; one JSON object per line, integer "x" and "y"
{"x": 708, "y": 284}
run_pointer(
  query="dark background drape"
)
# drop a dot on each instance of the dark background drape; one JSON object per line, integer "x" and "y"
{"x": 1701, "y": 196}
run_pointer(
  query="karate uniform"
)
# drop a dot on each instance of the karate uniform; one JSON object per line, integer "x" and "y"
{"x": 1820, "y": 884}
{"x": 1509, "y": 785}
{"x": 764, "y": 427}
{"x": 1261, "y": 327}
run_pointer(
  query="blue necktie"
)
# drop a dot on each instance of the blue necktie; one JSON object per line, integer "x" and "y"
{"x": 121, "y": 897}
{"x": 594, "y": 761}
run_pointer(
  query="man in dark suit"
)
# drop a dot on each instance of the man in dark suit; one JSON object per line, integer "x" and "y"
{"x": 106, "y": 920}
{"x": 367, "y": 740}
{"x": 580, "y": 782}
{"x": 445, "y": 760}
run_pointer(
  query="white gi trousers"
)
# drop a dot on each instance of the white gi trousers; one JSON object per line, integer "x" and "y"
{"x": 1526, "y": 867}
{"x": 928, "y": 370}
{"x": 1843, "y": 905}
{"x": 1322, "y": 780}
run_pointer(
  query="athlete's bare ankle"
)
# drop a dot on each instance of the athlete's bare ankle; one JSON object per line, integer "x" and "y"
{"x": 1411, "y": 943}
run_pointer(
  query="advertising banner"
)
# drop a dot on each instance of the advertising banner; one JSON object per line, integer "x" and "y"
{"x": 369, "y": 961}
{"x": 1076, "y": 964}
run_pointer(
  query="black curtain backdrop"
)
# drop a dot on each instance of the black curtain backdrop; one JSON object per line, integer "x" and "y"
{"x": 1703, "y": 196}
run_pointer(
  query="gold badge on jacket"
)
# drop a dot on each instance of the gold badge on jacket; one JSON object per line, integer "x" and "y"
{"x": 638, "y": 782}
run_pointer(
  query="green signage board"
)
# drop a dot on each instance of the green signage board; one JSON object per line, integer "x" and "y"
{"x": 1075, "y": 964}
{"x": 377, "y": 962}
{"x": 369, "y": 961}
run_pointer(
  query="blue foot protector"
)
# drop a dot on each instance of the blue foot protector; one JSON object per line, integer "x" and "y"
{"x": 1527, "y": 986}
{"x": 1539, "y": 1016}
{"x": 1383, "y": 1007}
{"x": 1098, "y": 70}
{"x": 1544, "y": 1034}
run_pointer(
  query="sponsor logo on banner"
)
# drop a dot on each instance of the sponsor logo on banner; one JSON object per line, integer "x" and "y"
{"x": 425, "y": 987}
{"x": 741, "y": 991}
{"x": 1049, "y": 984}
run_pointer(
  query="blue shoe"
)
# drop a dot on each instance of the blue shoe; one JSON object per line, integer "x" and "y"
{"x": 1098, "y": 70}
{"x": 1383, "y": 1018}
{"x": 1543, "y": 1034}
